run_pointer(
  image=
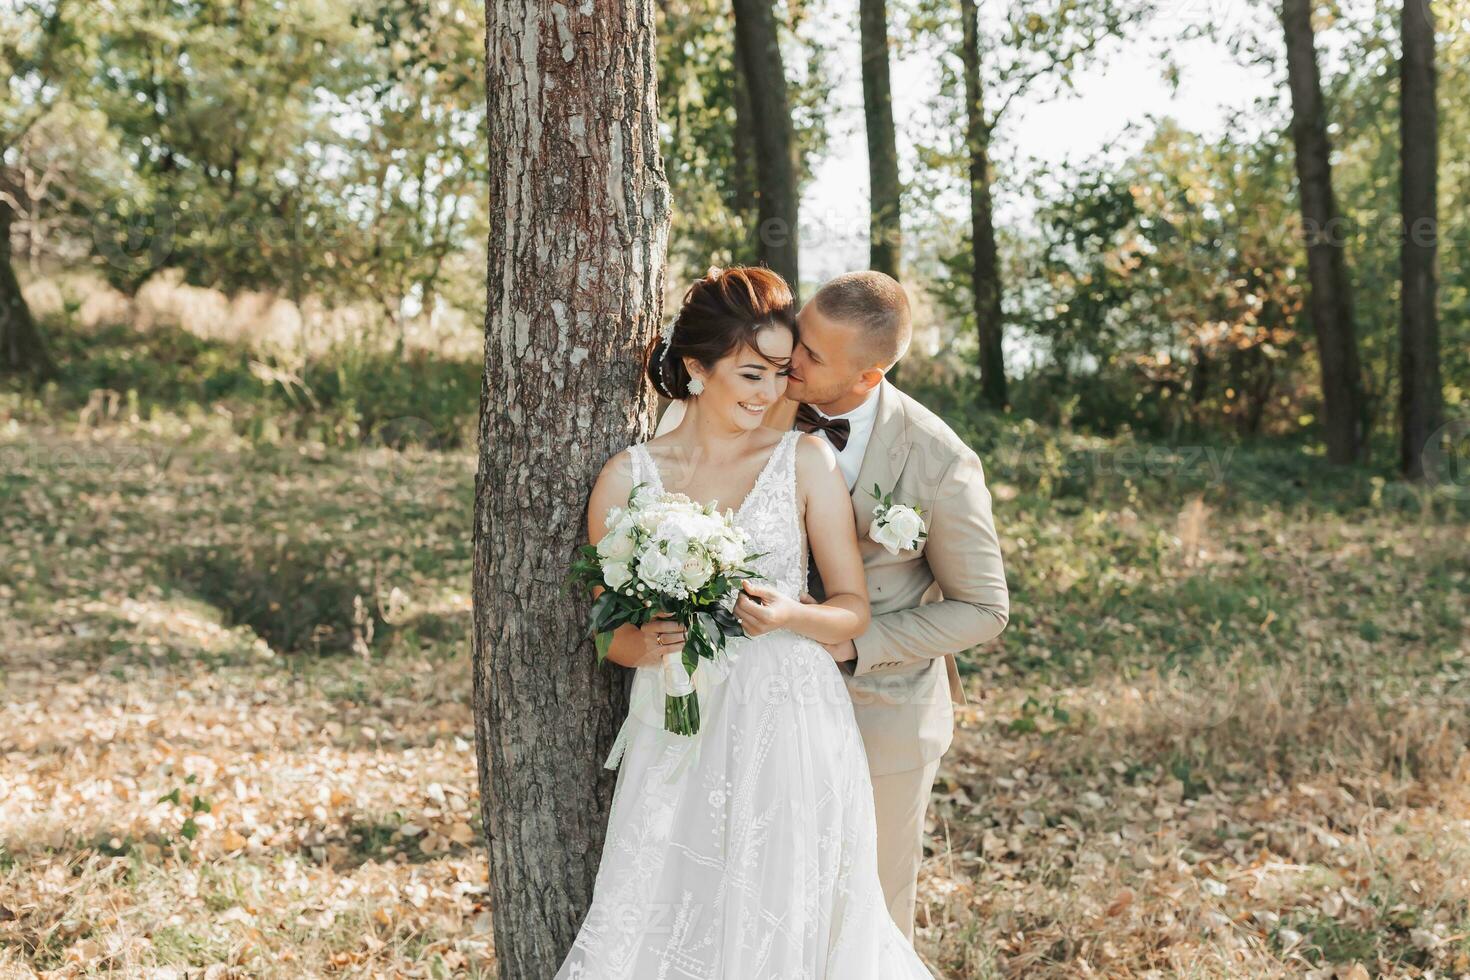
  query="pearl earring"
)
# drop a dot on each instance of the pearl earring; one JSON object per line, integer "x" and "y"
{"x": 696, "y": 386}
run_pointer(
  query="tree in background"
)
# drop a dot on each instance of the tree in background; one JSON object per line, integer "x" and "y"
{"x": 36, "y": 45}
{"x": 985, "y": 278}
{"x": 1035, "y": 46}
{"x": 1345, "y": 409}
{"x": 758, "y": 49}
{"x": 323, "y": 152}
{"x": 1420, "y": 395}
{"x": 420, "y": 165}
{"x": 710, "y": 128}
{"x": 578, "y": 230}
{"x": 1160, "y": 293}
{"x": 885, "y": 207}
{"x": 22, "y": 348}
{"x": 230, "y": 114}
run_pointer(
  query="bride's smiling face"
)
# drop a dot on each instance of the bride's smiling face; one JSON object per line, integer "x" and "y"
{"x": 740, "y": 386}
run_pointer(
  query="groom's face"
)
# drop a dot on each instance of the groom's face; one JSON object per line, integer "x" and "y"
{"x": 826, "y": 364}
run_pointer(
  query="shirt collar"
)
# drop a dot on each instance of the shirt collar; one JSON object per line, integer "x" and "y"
{"x": 863, "y": 413}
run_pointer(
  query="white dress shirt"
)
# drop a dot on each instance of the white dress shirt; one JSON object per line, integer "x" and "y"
{"x": 860, "y": 421}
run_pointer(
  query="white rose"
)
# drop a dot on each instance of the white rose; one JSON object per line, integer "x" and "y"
{"x": 617, "y": 545}
{"x": 617, "y": 574}
{"x": 678, "y": 547}
{"x": 884, "y": 534}
{"x": 695, "y": 572}
{"x": 614, "y": 515}
{"x": 657, "y": 570}
{"x": 906, "y": 523}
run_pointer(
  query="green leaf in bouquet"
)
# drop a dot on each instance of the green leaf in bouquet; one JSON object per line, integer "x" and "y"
{"x": 724, "y": 620}
{"x": 603, "y": 608}
{"x": 603, "y": 640}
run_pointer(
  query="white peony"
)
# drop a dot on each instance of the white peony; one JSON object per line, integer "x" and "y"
{"x": 729, "y": 550}
{"x": 644, "y": 496}
{"x": 616, "y": 574}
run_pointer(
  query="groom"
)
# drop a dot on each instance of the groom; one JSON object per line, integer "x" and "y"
{"x": 930, "y": 602}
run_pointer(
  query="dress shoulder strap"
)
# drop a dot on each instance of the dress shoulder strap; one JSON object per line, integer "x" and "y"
{"x": 786, "y": 463}
{"x": 644, "y": 469}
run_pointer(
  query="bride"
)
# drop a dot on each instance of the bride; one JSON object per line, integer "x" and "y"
{"x": 747, "y": 852}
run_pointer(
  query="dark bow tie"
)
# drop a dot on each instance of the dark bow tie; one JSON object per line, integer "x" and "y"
{"x": 808, "y": 419}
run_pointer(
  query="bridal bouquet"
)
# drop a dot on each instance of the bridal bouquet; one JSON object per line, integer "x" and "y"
{"x": 664, "y": 553}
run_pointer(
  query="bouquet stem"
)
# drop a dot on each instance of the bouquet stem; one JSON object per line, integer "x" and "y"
{"x": 681, "y": 703}
{"x": 681, "y": 715}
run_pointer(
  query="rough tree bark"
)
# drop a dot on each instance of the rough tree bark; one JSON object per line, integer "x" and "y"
{"x": 986, "y": 283}
{"x": 758, "y": 48}
{"x": 1420, "y": 404}
{"x": 745, "y": 185}
{"x": 885, "y": 230}
{"x": 1329, "y": 301}
{"x": 22, "y": 348}
{"x": 579, "y": 217}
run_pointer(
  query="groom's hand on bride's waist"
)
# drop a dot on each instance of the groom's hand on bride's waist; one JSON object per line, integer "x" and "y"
{"x": 841, "y": 652}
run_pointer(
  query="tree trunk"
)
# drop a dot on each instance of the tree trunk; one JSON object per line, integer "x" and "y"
{"x": 758, "y": 48}
{"x": 744, "y": 183}
{"x": 1330, "y": 292}
{"x": 885, "y": 230}
{"x": 986, "y": 282}
{"x": 1419, "y": 392}
{"x": 579, "y": 217}
{"x": 22, "y": 348}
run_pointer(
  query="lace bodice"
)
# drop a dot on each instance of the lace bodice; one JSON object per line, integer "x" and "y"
{"x": 769, "y": 514}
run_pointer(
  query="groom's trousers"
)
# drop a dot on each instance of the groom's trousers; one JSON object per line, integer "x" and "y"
{"x": 901, "y": 800}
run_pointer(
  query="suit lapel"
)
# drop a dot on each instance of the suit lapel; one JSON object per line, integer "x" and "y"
{"x": 883, "y": 459}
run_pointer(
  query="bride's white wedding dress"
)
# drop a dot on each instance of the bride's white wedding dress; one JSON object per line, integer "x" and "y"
{"x": 748, "y": 852}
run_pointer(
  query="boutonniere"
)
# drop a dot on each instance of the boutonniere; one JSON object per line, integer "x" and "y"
{"x": 897, "y": 527}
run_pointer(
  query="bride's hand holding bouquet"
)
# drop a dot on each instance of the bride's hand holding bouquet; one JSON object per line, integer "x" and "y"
{"x": 665, "y": 556}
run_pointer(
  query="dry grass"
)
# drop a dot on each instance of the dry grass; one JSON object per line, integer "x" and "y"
{"x": 1219, "y": 743}
{"x": 263, "y": 322}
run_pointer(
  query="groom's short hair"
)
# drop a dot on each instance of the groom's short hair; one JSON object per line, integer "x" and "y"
{"x": 876, "y": 304}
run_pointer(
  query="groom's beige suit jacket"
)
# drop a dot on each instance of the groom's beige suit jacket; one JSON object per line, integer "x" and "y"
{"x": 930, "y": 602}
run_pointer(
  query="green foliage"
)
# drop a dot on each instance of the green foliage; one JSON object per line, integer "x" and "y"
{"x": 310, "y": 149}
{"x": 299, "y": 596}
{"x": 708, "y": 146}
{"x": 349, "y": 396}
{"x": 1164, "y": 294}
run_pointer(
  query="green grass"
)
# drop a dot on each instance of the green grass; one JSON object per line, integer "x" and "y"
{"x": 1217, "y": 655}
{"x": 347, "y": 397}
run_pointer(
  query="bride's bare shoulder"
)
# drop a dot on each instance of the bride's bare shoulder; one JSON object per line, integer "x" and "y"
{"x": 616, "y": 476}
{"x": 817, "y": 470}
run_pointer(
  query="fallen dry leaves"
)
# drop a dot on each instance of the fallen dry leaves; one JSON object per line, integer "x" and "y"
{"x": 177, "y": 799}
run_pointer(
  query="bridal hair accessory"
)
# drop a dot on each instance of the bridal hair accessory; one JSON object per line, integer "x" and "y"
{"x": 663, "y": 351}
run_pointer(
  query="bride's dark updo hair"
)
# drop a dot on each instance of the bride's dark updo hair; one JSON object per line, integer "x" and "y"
{"x": 725, "y": 309}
